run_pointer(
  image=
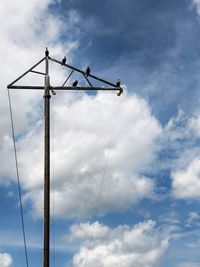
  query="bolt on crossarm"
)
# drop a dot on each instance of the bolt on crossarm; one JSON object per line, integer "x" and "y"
{"x": 48, "y": 90}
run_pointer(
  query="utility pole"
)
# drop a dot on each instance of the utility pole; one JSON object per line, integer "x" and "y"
{"x": 47, "y": 97}
{"x": 48, "y": 89}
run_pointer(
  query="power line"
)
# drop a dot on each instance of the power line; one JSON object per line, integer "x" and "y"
{"x": 18, "y": 180}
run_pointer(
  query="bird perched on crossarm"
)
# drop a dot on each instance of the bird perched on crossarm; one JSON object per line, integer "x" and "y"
{"x": 47, "y": 52}
{"x": 87, "y": 71}
{"x": 64, "y": 60}
{"x": 75, "y": 83}
{"x": 118, "y": 83}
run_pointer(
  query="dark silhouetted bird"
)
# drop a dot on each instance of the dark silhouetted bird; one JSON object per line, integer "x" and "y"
{"x": 64, "y": 60}
{"x": 87, "y": 72}
{"x": 118, "y": 83}
{"x": 75, "y": 83}
{"x": 47, "y": 52}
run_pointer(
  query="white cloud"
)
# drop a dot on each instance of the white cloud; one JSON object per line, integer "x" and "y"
{"x": 194, "y": 125}
{"x": 30, "y": 28}
{"x": 82, "y": 125}
{"x": 170, "y": 218}
{"x": 186, "y": 182}
{"x": 5, "y": 260}
{"x": 83, "y": 141}
{"x": 177, "y": 142}
{"x": 180, "y": 137}
{"x": 141, "y": 245}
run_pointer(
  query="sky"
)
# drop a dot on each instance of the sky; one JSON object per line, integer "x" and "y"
{"x": 125, "y": 171}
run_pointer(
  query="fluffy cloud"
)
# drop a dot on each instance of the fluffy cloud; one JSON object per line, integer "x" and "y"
{"x": 186, "y": 182}
{"x": 194, "y": 125}
{"x": 180, "y": 143}
{"x": 102, "y": 145}
{"x": 185, "y": 174}
{"x": 83, "y": 143}
{"x": 140, "y": 245}
{"x": 177, "y": 139}
{"x": 30, "y": 28}
{"x": 5, "y": 260}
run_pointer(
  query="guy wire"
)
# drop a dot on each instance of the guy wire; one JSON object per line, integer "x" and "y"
{"x": 113, "y": 124}
{"x": 18, "y": 180}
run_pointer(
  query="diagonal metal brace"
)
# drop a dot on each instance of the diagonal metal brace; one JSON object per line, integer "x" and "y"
{"x": 29, "y": 70}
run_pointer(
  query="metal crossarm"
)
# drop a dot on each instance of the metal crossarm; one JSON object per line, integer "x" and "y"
{"x": 63, "y": 88}
{"x": 112, "y": 86}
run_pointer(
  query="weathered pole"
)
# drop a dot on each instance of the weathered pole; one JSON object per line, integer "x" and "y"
{"x": 47, "y": 97}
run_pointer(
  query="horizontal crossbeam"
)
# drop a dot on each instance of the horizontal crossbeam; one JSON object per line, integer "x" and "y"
{"x": 67, "y": 88}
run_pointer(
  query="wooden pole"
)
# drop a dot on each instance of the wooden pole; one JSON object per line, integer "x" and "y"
{"x": 47, "y": 97}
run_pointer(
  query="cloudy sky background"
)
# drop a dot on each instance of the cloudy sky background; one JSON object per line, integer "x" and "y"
{"x": 125, "y": 170}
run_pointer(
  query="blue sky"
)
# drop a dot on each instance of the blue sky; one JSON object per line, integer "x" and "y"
{"x": 144, "y": 210}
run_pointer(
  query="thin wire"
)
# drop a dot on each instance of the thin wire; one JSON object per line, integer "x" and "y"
{"x": 18, "y": 180}
{"x": 101, "y": 184}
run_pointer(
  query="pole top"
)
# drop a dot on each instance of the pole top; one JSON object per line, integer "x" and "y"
{"x": 86, "y": 74}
